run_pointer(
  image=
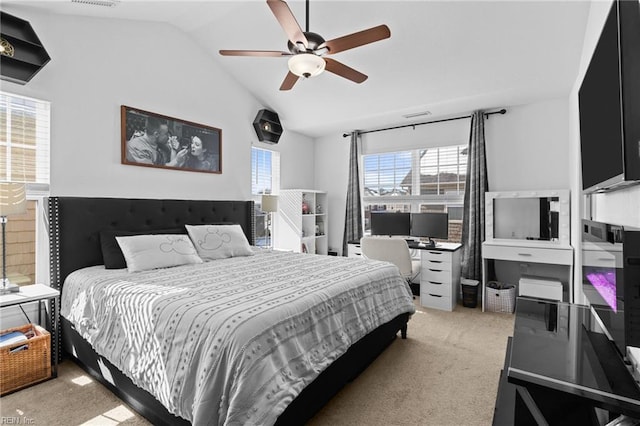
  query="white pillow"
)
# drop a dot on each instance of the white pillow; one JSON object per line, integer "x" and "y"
{"x": 219, "y": 241}
{"x": 144, "y": 252}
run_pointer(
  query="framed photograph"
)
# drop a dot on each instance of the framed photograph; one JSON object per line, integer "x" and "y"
{"x": 155, "y": 140}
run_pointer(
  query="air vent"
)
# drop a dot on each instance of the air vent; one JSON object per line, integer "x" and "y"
{"x": 107, "y": 3}
{"x": 417, "y": 114}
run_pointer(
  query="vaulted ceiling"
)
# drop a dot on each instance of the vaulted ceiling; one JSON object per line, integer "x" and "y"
{"x": 445, "y": 57}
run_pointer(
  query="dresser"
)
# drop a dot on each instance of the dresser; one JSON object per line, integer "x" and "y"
{"x": 439, "y": 275}
{"x": 353, "y": 249}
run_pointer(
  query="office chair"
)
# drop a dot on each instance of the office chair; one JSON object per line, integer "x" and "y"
{"x": 393, "y": 250}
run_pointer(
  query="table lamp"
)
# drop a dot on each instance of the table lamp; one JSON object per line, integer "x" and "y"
{"x": 269, "y": 206}
{"x": 13, "y": 201}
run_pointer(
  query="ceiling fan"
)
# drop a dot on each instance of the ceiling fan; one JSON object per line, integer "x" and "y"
{"x": 307, "y": 50}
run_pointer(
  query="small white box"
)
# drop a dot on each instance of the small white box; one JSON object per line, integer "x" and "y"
{"x": 544, "y": 288}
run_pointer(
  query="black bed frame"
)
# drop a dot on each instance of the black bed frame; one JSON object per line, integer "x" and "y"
{"x": 74, "y": 227}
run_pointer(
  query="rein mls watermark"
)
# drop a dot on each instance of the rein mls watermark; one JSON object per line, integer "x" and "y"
{"x": 15, "y": 420}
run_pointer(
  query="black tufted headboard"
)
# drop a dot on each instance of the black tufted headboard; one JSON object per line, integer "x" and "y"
{"x": 75, "y": 224}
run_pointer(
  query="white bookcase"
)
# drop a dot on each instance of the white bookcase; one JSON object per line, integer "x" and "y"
{"x": 302, "y": 229}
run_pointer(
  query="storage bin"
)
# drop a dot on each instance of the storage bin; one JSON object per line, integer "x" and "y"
{"x": 500, "y": 297}
{"x": 21, "y": 368}
{"x": 469, "y": 292}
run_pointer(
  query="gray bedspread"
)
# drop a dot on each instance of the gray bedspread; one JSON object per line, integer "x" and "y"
{"x": 232, "y": 341}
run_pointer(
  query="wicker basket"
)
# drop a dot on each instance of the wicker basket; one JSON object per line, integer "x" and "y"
{"x": 25, "y": 367}
{"x": 500, "y": 297}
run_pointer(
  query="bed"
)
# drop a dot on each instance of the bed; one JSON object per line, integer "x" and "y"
{"x": 312, "y": 324}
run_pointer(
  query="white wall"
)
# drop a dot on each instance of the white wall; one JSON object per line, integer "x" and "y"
{"x": 527, "y": 148}
{"x": 98, "y": 65}
{"x": 332, "y": 174}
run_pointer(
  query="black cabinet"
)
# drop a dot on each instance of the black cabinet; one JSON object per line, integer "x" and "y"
{"x": 267, "y": 126}
{"x": 23, "y": 55}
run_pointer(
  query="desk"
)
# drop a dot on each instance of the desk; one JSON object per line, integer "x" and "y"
{"x": 439, "y": 272}
{"x": 39, "y": 293}
{"x": 563, "y": 365}
{"x": 525, "y": 252}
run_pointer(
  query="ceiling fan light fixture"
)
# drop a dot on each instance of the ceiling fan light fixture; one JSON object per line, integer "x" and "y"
{"x": 306, "y": 65}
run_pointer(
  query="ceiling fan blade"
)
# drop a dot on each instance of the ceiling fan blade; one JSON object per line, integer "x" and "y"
{"x": 358, "y": 39}
{"x": 288, "y": 22}
{"x": 344, "y": 71}
{"x": 289, "y": 81}
{"x": 268, "y": 53}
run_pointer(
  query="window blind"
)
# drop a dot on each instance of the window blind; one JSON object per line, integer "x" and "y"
{"x": 265, "y": 171}
{"x": 24, "y": 139}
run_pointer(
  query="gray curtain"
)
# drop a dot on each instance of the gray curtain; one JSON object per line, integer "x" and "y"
{"x": 475, "y": 187}
{"x": 353, "y": 212}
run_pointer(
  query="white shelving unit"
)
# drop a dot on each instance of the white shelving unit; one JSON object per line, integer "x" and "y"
{"x": 302, "y": 229}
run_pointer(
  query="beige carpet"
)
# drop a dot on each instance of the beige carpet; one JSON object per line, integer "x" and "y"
{"x": 445, "y": 373}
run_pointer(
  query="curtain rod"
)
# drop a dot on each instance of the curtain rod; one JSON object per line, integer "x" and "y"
{"x": 486, "y": 114}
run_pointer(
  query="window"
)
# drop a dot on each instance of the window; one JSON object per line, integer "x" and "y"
{"x": 419, "y": 180}
{"x": 24, "y": 157}
{"x": 265, "y": 179}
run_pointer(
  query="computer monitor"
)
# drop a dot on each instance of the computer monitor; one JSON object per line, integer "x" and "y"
{"x": 430, "y": 225}
{"x": 387, "y": 223}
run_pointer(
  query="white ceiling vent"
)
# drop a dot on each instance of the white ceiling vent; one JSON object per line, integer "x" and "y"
{"x": 108, "y": 3}
{"x": 417, "y": 114}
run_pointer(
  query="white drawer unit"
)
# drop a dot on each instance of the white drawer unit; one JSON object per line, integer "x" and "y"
{"x": 439, "y": 278}
{"x": 520, "y": 253}
{"x": 354, "y": 250}
{"x": 540, "y": 287}
{"x": 436, "y": 301}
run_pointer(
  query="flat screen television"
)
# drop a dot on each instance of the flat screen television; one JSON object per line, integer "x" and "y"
{"x": 611, "y": 279}
{"x": 390, "y": 223}
{"x": 430, "y": 225}
{"x": 609, "y": 104}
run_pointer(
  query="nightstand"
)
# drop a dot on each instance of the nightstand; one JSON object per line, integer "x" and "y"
{"x": 40, "y": 294}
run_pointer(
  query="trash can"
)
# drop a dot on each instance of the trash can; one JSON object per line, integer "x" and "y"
{"x": 469, "y": 292}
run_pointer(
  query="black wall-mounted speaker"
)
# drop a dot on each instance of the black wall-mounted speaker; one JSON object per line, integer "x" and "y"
{"x": 23, "y": 55}
{"x": 267, "y": 126}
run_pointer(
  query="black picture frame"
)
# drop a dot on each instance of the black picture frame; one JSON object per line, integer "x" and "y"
{"x": 149, "y": 139}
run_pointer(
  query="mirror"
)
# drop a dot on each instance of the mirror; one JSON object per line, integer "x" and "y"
{"x": 526, "y": 218}
{"x": 541, "y": 216}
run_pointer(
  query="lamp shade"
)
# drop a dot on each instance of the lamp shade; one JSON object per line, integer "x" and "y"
{"x": 13, "y": 198}
{"x": 306, "y": 65}
{"x": 269, "y": 203}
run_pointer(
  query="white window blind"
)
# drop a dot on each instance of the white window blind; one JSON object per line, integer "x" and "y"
{"x": 265, "y": 171}
{"x": 387, "y": 174}
{"x": 443, "y": 170}
{"x": 24, "y": 140}
{"x": 432, "y": 171}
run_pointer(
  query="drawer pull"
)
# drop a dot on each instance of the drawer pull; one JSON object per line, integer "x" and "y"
{"x": 435, "y": 261}
{"x": 435, "y": 282}
{"x": 435, "y": 270}
{"x": 525, "y": 254}
{"x": 435, "y": 252}
{"x": 434, "y": 295}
